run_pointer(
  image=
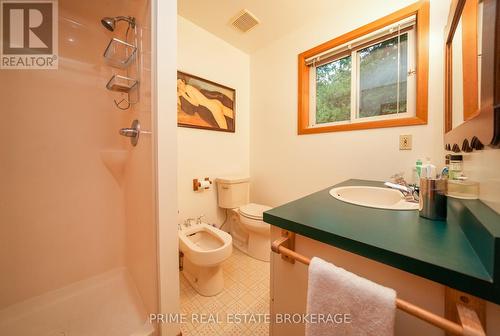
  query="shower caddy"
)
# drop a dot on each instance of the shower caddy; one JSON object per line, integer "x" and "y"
{"x": 122, "y": 55}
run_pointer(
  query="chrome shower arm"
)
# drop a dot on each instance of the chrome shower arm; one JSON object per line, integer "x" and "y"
{"x": 129, "y": 19}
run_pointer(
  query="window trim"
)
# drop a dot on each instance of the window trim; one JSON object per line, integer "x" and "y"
{"x": 421, "y": 10}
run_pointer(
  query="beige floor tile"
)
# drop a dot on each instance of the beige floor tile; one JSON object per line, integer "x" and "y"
{"x": 246, "y": 291}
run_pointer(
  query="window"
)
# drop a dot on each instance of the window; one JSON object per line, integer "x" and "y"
{"x": 367, "y": 78}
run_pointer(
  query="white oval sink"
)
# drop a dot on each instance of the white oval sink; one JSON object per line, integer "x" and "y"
{"x": 373, "y": 197}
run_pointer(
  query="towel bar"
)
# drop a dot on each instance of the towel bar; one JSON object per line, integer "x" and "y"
{"x": 470, "y": 322}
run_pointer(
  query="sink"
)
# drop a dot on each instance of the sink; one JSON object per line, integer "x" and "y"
{"x": 373, "y": 197}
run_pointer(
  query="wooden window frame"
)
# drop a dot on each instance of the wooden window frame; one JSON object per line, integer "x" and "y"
{"x": 421, "y": 11}
{"x": 355, "y": 107}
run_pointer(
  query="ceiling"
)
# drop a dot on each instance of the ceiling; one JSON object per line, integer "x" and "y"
{"x": 277, "y": 18}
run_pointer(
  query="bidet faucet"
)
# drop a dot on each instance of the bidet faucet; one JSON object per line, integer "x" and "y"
{"x": 199, "y": 219}
{"x": 410, "y": 192}
{"x": 188, "y": 222}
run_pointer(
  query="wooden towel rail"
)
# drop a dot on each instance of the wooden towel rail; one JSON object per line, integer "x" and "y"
{"x": 470, "y": 324}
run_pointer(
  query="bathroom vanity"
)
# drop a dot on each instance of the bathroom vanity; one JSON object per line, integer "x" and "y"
{"x": 396, "y": 248}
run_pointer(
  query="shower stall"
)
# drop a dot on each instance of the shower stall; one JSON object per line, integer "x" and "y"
{"x": 78, "y": 229}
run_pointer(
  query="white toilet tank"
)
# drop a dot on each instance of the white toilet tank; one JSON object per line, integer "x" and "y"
{"x": 233, "y": 191}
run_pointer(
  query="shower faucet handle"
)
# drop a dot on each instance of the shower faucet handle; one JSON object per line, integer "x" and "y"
{"x": 133, "y": 132}
{"x": 128, "y": 132}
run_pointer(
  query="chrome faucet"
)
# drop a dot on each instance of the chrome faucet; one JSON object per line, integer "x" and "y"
{"x": 199, "y": 219}
{"x": 410, "y": 192}
{"x": 188, "y": 222}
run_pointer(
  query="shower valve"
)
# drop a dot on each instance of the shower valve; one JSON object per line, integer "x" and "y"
{"x": 132, "y": 132}
{"x": 129, "y": 132}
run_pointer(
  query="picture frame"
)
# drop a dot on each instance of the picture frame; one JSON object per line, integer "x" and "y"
{"x": 204, "y": 104}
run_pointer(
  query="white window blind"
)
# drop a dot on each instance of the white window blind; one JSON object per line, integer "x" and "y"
{"x": 405, "y": 24}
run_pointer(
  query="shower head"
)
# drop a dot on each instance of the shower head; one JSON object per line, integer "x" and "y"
{"x": 110, "y": 22}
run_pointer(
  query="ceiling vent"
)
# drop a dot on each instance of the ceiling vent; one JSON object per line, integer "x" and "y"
{"x": 244, "y": 21}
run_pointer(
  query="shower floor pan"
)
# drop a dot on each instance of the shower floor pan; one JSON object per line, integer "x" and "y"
{"x": 107, "y": 304}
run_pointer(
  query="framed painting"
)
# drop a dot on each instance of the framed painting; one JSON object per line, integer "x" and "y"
{"x": 204, "y": 104}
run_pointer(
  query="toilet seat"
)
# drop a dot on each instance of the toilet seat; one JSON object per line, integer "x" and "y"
{"x": 205, "y": 255}
{"x": 222, "y": 238}
{"x": 253, "y": 210}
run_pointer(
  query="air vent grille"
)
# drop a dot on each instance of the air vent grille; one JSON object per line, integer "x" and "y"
{"x": 244, "y": 21}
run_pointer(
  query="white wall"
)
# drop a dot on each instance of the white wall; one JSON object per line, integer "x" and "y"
{"x": 164, "y": 97}
{"x": 285, "y": 166}
{"x": 203, "y": 153}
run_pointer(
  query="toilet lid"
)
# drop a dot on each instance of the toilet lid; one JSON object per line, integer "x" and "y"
{"x": 254, "y": 211}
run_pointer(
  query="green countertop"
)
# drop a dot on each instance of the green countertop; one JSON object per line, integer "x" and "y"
{"x": 462, "y": 253}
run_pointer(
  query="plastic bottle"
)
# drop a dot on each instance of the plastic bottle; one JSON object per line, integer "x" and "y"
{"x": 416, "y": 172}
{"x": 418, "y": 166}
{"x": 456, "y": 164}
{"x": 428, "y": 170}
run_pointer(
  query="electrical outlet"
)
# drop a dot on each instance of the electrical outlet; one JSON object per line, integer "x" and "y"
{"x": 405, "y": 142}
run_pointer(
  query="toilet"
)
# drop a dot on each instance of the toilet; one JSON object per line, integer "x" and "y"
{"x": 204, "y": 248}
{"x": 250, "y": 233}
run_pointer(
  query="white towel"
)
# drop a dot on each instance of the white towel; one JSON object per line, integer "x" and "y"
{"x": 363, "y": 307}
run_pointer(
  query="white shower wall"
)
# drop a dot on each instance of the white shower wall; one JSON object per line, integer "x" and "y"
{"x": 65, "y": 216}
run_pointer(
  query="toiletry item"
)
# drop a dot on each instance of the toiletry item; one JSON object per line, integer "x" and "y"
{"x": 463, "y": 189}
{"x": 455, "y": 166}
{"x": 432, "y": 198}
{"x": 447, "y": 164}
{"x": 416, "y": 172}
{"x": 418, "y": 167}
{"x": 428, "y": 170}
{"x": 445, "y": 173}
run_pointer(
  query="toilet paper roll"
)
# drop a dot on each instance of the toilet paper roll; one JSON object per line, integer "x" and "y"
{"x": 205, "y": 184}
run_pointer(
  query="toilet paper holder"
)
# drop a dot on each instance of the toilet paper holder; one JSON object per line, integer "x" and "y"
{"x": 201, "y": 184}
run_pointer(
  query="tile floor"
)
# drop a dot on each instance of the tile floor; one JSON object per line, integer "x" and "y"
{"x": 246, "y": 291}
